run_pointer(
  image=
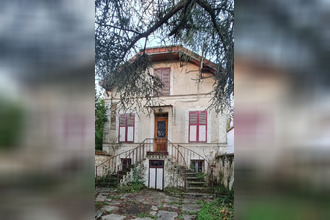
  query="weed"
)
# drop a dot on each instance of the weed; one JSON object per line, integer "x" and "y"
{"x": 190, "y": 213}
{"x": 98, "y": 205}
{"x": 145, "y": 215}
{"x": 113, "y": 197}
{"x": 180, "y": 217}
{"x": 221, "y": 208}
{"x": 173, "y": 190}
{"x": 176, "y": 202}
{"x": 201, "y": 175}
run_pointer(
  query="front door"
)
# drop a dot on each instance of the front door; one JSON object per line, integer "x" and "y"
{"x": 161, "y": 121}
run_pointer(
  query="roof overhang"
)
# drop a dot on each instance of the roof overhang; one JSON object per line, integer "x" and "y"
{"x": 176, "y": 53}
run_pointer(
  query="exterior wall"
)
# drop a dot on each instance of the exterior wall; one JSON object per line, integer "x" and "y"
{"x": 224, "y": 170}
{"x": 172, "y": 178}
{"x": 230, "y": 138}
{"x": 99, "y": 159}
{"x": 186, "y": 95}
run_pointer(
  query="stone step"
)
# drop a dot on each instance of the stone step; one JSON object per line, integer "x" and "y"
{"x": 198, "y": 189}
{"x": 192, "y": 178}
{"x": 109, "y": 185}
{"x": 196, "y": 183}
{"x": 191, "y": 174}
{"x": 198, "y": 195}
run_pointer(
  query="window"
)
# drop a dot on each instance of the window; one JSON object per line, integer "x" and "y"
{"x": 164, "y": 75}
{"x": 197, "y": 166}
{"x": 126, "y": 163}
{"x": 197, "y": 126}
{"x": 126, "y": 128}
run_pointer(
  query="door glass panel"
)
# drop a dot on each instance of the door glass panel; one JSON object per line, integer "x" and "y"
{"x": 161, "y": 129}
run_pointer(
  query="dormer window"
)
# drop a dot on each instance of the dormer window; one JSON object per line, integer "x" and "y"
{"x": 164, "y": 75}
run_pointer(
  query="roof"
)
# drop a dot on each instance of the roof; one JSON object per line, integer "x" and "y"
{"x": 175, "y": 52}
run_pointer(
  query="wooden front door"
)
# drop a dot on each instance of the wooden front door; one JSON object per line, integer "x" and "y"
{"x": 161, "y": 130}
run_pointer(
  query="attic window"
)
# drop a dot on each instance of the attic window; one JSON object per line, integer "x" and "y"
{"x": 164, "y": 75}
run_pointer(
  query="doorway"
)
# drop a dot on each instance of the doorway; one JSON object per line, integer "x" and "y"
{"x": 156, "y": 174}
{"x": 161, "y": 132}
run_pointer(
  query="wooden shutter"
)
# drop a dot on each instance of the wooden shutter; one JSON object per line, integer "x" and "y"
{"x": 122, "y": 128}
{"x": 202, "y": 123}
{"x": 166, "y": 81}
{"x": 192, "y": 126}
{"x": 164, "y": 75}
{"x": 130, "y": 127}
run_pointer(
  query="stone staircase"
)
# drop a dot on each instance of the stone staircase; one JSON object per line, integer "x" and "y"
{"x": 110, "y": 180}
{"x": 196, "y": 185}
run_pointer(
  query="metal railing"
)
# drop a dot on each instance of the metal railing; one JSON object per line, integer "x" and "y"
{"x": 190, "y": 156}
{"x": 181, "y": 155}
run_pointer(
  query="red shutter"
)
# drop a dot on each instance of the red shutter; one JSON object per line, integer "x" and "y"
{"x": 166, "y": 81}
{"x": 202, "y": 126}
{"x": 164, "y": 75}
{"x": 122, "y": 128}
{"x": 193, "y": 126}
{"x": 130, "y": 128}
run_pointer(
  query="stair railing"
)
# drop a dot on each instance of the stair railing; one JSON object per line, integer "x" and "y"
{"x": 112, "y": 162}
{"x": 176, "y": 154}
{"x": 136, "y": 155}
{"x": 192, "y": 155}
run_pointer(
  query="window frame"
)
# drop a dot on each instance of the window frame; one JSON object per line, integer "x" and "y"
{"x": 161, "y": 78}
{"x": 197, "y": 127}
{"x": 126, "y": 127}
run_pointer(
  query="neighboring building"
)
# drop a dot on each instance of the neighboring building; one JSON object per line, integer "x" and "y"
{"x": 230, "y": 140}
{"x": 181, "y": 128}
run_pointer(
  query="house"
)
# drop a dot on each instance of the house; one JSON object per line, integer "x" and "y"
{"x": 181, "y": 137}
{"x": 230, "y": 138}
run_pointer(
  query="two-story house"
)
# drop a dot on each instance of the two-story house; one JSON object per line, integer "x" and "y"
{"x": 181, "y": 128}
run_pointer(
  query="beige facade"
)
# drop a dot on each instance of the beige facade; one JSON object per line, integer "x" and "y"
{"x": 188, "y": 94}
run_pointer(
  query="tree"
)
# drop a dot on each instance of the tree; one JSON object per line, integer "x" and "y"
{"x": 100, "y": 119}
{"x": 125, "y": 27}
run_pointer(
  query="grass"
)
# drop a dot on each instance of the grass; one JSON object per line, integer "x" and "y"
{"x": 216, "y": 210}
{"x": 99, "y": 205}
{"x": 173, "y": 191}
{"x": 176, "y": 202}
{"x": 221, "y": 208}
{"x": 145, "y": 215}
{"x": 113, "y": 197}
{"x": 132, "y": 188}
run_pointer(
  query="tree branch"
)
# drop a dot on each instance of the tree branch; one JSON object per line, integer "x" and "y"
{"x": 209, "y": 9}
{"x": 159, "y": 23}
{"x": 119, "y": 28}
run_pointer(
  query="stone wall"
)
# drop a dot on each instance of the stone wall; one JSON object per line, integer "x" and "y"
{"x": 99, "y": 159}
{"x": 224, "y": 170}
{"x": 142, "y": 172}
{"x": 172, "y": 177}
